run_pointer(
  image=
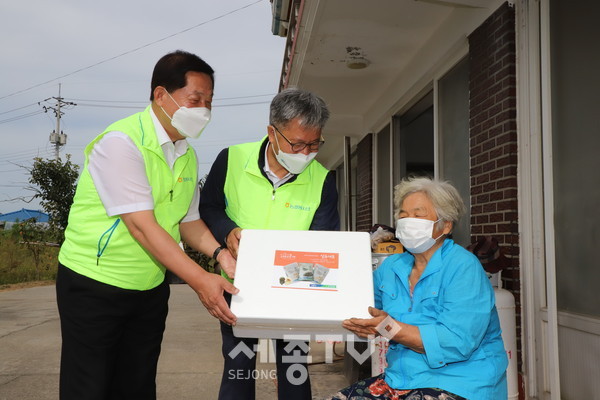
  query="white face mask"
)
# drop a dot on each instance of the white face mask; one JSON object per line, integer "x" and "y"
{"x": 189, "y": 122}
{"x": 294, "y": 163}
{"x": 415, "y": 234}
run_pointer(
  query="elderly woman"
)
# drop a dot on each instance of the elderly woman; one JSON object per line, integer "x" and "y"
{"x": 436, "y": 306}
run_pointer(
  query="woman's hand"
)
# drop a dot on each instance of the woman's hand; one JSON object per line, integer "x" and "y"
{"x": 380, "y": 325}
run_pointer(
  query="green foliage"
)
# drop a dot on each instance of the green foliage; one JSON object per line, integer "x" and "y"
{"x": 25, "y": 261}
{"x": 55, "y": 184}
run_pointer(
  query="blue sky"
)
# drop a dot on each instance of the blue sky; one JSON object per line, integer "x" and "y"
{"x": 103, "y": 53}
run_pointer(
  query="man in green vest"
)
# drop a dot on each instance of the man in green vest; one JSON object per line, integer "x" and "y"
{"x": 274, "y": 183}
{"x": 137, "y": 197}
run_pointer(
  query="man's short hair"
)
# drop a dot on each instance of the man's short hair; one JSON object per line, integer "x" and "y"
{"x": 292, "y": 103}
{"x": 170, "y": 71}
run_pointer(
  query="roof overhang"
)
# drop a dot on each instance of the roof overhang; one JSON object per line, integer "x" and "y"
{"x": 370, "y": 59}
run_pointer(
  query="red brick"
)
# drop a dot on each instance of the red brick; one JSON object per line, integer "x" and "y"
{"x": 511, "y": 170}
{"x": 497, "y": 217}
{"x": 512, "y": 241}
{"x": 495, "y": 68}
{"x": 496, "y": 174}
{"x": 495, "y": 196}
{"x": 495, "y": 131}
{"x": 489, "y": 207}
{"x": 480, "y": 97}
{"x": 482, "y": 137}
{"x": 504, "y": 227}
{"x": 481, "y": 117}
{"x": 489, "y": 166}
{"x": 506, "y": 138}
{"x": 482, "y": 158}
{"x": 511, "y": 216}
{"x": 476, "y": 170}
{"x": 482, "y": 179}
{"x": 495, "y": 89}
{"x": 509, "y": 182}
{"x": 509, "y": 103}
{"x": 510, "y": 125}
{"x": 510, "y": 148}
{"x": 482, "y": 198}
{"x": 496, "y": 153}
{"x": 490, "y": 144}
{"x": 489, "y": 229}
{"x": 506, "y": 205}
{"x": 505, "y": 93}
{"x": 475, "y": 150}
{"x": 474, "y": 130}
{"x": 505, "y": 115}
{"x": 488, "y": 187}
{"x": 488, "y": 124}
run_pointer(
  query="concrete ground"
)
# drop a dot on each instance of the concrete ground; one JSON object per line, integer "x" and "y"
{"x": 190, "y": 365}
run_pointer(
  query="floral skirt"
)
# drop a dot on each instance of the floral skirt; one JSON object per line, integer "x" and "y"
{"x": 376, "y": 388}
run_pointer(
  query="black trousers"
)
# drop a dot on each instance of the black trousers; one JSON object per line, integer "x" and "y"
{"x": 238, "y": 381}
{"x": 111, "y": 338}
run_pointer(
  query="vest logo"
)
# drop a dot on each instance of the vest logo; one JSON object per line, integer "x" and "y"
{"x": 297, "y": 207}
{"x": 184, "y": 179}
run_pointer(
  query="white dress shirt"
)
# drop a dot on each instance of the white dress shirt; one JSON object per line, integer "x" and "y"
{"x": 277, "y": 181}
{"x": 119, "y": 172}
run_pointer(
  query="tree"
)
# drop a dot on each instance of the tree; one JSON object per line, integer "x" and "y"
{"x": 54, "y": 183}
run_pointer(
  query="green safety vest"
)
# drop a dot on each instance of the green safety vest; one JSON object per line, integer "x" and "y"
{"x": 100, "y": 247}
{"x": 252, "y": 203}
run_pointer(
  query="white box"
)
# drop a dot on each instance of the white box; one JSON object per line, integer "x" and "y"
{"x": 268, "y": 306}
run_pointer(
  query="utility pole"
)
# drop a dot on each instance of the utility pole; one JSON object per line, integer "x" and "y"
{"x": 57, "y": 137}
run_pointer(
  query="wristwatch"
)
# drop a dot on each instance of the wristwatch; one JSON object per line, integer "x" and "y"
{"x": 217, "y": 251}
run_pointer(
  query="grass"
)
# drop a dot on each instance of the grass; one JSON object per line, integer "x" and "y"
{"x": 23, "y": 261}
{"x": 20, "y": 262}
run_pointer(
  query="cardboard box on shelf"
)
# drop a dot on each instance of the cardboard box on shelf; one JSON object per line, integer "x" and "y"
{"x": 389, "y": 247}
{"x": 301, "y": 283}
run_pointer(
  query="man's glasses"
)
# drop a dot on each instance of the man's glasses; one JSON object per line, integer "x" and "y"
{"x": 298, "y": 147}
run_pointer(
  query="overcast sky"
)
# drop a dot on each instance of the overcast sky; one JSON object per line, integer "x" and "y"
{"x": 103, "y": 53}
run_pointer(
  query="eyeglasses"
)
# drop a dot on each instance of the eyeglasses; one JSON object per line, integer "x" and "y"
{"x": 298, "y": 147}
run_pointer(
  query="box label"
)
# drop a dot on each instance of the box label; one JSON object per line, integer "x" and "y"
{"x": 305, "y": 270}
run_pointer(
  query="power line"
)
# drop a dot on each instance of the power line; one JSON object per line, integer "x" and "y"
{"x": 109, "y": 106}
{"x": 31, "y": 114}
{"x": 18, "y": 153}
{"x": 240, "y": 104}
{"x": 19, "y": 108}
{"x": 145, "y": 102}
{"x": 135, "y": 104}
{"x": 132, "y": 51}
{"x": 138, "y": 107}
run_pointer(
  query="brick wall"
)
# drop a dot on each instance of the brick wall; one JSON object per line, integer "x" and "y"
{"x": 493, "y": 141}
{"x": 364, "y": 184}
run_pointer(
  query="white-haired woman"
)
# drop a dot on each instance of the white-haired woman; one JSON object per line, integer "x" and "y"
{"x": 436, "y": 306}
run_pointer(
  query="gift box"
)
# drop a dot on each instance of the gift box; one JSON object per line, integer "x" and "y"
{"x": 301, "y": 283}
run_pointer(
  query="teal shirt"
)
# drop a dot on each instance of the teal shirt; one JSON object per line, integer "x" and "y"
{"x": 453, "y": 305}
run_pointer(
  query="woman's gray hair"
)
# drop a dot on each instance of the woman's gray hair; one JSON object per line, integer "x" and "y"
{"x": 448, "y": 204}
{"x": 292, "y": 103}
